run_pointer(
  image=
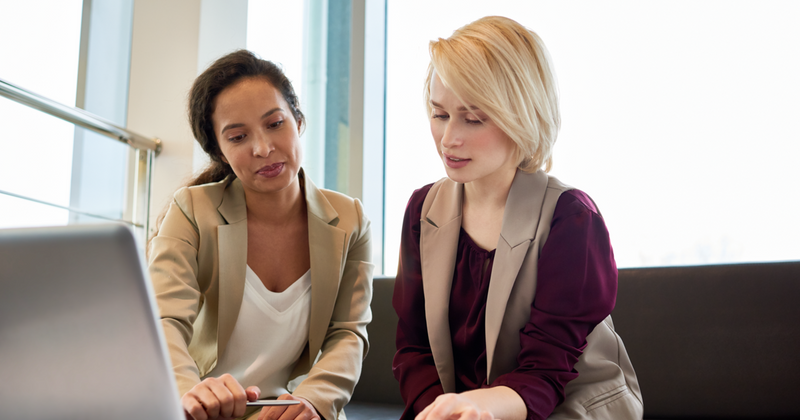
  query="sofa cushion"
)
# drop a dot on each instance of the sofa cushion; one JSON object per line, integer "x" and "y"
{"x": 719, "y": 341}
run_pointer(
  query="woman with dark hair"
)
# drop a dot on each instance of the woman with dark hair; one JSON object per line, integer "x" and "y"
{"x": 262, "y": 279}
{"x": 506, "y": 277}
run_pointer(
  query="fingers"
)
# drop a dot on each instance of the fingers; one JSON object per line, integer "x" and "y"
{"x": 271, "y": 413}
{"x": 453, "y": 407}
{"x": 192, "y": 407}
{"x": 441, "y": 408}
{"x": 307, "y": 412}
{"x": 230, "y": 394}
{"x": 303, "y": 411}
{"x": 276, "y": 412}
{"x": 209, "y": 404}
{"x": 214, "y": 398}
{"x": 253, "y": 392}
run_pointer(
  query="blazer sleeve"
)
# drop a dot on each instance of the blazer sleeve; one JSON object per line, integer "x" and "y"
{"x": 413, "y": 364}
{"x": 172, "y": 261}
{"x": 576, "y": 289}
{"x": 332, "y": 379}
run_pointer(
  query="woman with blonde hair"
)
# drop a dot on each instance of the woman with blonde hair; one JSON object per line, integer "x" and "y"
{"x": 507, "y": 276}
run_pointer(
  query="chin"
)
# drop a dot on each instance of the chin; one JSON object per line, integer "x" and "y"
{"x": 458, "y": 175}
{"x": 280, "y": 182}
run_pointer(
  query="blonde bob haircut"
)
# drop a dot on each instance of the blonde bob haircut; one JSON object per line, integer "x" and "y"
{"x": 502, "y": 68}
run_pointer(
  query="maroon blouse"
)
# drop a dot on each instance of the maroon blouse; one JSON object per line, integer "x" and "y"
{"x": 576, "y": 290}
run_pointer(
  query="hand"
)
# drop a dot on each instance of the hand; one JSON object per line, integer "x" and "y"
{"x": 302, "y": 411}
{"x": 454, "y": 407}
{"x": 218, "y": 398}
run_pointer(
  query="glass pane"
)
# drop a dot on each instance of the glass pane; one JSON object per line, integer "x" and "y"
{"x": 17, "y": 213}
{"x": 40, "y": 154}
{"x": 41, "y": 42}
{"x": 38, "y": 150}
{"x": 99, "y": 176}
{"x": 283, "y": 41}
{"x": 678, "y": 118}
{"x": 38, "y": 147}
{"x": 279, "y": 40}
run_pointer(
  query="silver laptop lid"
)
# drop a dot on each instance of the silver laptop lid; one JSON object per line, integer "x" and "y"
{"x": 79, "y": 331}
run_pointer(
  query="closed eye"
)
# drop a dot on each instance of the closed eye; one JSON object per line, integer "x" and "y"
{"x": 440, "y": 116}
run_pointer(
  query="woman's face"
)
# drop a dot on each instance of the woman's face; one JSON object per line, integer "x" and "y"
{"x": 258, "y": 135}
{"x": 470, "y": 145}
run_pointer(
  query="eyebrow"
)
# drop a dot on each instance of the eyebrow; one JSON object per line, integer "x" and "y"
{"x": 237, "y": 125}
{"x": 461, "y": 108}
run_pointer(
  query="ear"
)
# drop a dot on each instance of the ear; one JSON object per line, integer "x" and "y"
{"x": 221, "y": 156}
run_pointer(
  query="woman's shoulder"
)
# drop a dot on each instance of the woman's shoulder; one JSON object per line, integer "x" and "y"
{"x": 420, "y": 193}
{"x": 211, "y": 189}
{"x": 575, "y": 201}
{"x": 413, "y": 213}
{"x": 339, "y": 200}
{"x": 201, "y": 197}
{"x": 571, "y": 200}
{"x": 417, "y": 199}
{"x": 348, "y": 210}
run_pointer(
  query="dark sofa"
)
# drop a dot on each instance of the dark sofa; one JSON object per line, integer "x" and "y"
{"x": 707, "y": 342}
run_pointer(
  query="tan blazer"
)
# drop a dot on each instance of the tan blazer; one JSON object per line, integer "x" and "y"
{"x": 197, "y": 265}
{"x": 606, "y": 387}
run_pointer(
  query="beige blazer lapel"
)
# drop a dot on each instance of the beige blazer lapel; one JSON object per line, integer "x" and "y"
{"x": 232, "y": 260}
{"x": 439, "y": 230}
{"x": 520, "y": 221}
{"x": 326, "y": 248}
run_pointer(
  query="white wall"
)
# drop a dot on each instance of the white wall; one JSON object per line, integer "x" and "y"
{"x": 172, "y": 41}
{"x": 223, "y": 29}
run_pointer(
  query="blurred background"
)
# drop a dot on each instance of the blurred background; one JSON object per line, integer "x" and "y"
{"x": 679, "y": 118}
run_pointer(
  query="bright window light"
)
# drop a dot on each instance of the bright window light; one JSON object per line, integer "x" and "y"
{"x": 678, "y": 118}
{"x": 41, "y": 41}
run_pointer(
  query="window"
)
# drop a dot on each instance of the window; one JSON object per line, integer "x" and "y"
{"x": 37, "y": 147}
{"x": 60, "y": 173}
{"x": 334, "y": 53}
{"x": 678, "y": 118}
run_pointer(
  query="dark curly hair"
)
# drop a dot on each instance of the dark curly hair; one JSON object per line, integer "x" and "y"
{"x": 226, "y": 71}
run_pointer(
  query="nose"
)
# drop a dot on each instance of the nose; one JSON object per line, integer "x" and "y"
{"x": 262, "y": 146}
{"x": 450, "y": 137}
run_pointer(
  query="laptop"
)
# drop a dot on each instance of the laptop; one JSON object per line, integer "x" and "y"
{"x": 79, "y": 330}
{"x": 80, "y": 336}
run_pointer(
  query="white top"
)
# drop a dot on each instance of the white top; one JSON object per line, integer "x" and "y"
{"x": 270, "y": 334}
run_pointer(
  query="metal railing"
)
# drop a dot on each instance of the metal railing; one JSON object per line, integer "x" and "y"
{"x": 146, "y": 148}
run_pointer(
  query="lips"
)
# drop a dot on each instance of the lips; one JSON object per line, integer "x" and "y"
{"x": 271, "y": 171}
{"x": 455, "y": 162}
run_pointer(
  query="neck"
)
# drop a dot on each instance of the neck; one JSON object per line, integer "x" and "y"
{"x": 491, "y": 191}
{"x": 278, "y": 207}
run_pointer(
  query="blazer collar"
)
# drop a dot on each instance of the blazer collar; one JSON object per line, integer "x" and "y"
{"x": 231, "y": 240}
{"x": 318, "y": 205}
{"x": 446, "y": 206}
{"x": 439, "y": 230}
{"x": 517, "y": 225}
{"x": 525, "y": 199}
{"x": 326, "y": 248}
{"x": 233, "y": 207}
{"x": 326, "y": 244}
{"x": 520, "y": 223}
